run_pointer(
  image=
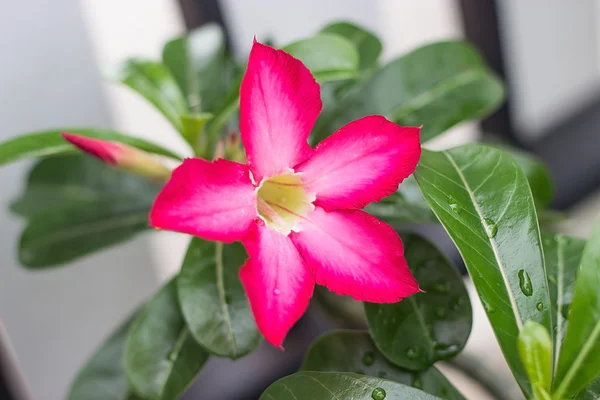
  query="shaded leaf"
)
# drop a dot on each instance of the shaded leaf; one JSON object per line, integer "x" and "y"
{"x": 425, "y": 327}
{"x": 368, "y": 45}
{"x": 213, "y": 300}
{"x": 336, "y": 385}
{"x": 483, "y": 200}
{"x": 51, "y": 143}
{"x": 155, "y": 83}
{"x": 327, "y": 56}
{"x": 579, "y": 358}
{"x": 161, "y": 356}
{"x": 354, "y": 351}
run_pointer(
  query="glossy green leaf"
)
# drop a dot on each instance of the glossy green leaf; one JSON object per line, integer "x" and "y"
{"x": 76, "y": 205}
{"x": 196, "y": 62}
{"x": 328, "y": 56}
{"x": 579, "y": 359}
{"x": 436, "y": 86}
{"x": 161, "y": 356}
{"x": 193, "y": 131}
{"x": 354, "y": 351}
{"x": 51, "y": 143}
{"x": 425, "y": 327}
{"x": 483, "y": 200}
{"x": 368, "y": 45}
{"x": 103, "y": 376}
{"x": 213, "y": 300}
{"x": 406, "y": 205}
{"x": 535, "y": 348}
{"x": 591, "y": 392}
{"x": 562, "y": 254}
{"x": 155, "y": 83}
{"x": 309, "y": 385}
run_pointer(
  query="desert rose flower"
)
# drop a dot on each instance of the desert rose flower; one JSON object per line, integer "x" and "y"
{"x": 297, "y": 209}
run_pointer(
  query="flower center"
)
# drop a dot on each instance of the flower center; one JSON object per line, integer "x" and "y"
{"x": 283, "y": 202}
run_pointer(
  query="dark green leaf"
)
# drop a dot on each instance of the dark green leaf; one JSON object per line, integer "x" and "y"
{"x": 327, "y": 56}
{"x": 155, "y": 83}
{"x": 196, "y": 62}
{"x": 213, "y": 300}
{"x": 343, "y": 386}
{"x": 103, "y": 376}
{"x": 535, "y": 349}
{"x": 579, "y": 359}
{"x": 368, "y": 45}
{"x": 354, "y": 351}
{"x": 406, "y": 205}
{"x": 562, "y": 255}
{"x": 161, "y": 356}
{"x": 426, "y": 327}
{"x": 482, "y": 198}
{"x": 591, "y": 392}
{"x": 50, "y": 143}
{"x": 76, "y": 205}
{"x": 436, "y": 86}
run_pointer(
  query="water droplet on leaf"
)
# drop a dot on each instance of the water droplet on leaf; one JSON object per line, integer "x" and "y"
{"x": 488, "y": 307}
{"x": 453, "y": 204}
{"x": 378, "y": 394}
{"x": 416, "y": 382}
{"x": 539, "y": 306}
{"x": 491, "y": 228}
{"x": 525, "y": 283}
{"x": 413, "y": 352}
{"x": 368, "y": 358}
{"x": 444, "y": 350}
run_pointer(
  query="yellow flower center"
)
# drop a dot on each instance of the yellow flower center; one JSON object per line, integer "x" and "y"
{"x": 283, "y": 202}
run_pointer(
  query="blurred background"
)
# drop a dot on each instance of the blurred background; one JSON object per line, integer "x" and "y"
{"x": 55, "y": 55}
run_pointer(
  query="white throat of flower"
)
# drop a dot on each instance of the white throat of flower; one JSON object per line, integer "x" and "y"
{"x": 283, "y": 202}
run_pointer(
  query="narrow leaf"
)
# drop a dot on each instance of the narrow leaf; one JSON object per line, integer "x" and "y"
{"x": 579, "y": 359}
{"x": 483, "y": 200}
{"x": 327, "y": 56}
{"x": 155, "y": 83}
{"x": 354, "y": 351}
{"x": 161, "y": 356}
{"x": 426, "y": 327}
{"x": 368, "y": 45}
{"x": 51, "y": 143}
{"x": 213, "y": 300}
{"x": 535, "y": 348}
{"x": 337, "y": 385}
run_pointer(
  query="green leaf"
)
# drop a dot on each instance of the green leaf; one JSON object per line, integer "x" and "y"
{"x": 535, "y": 349}
{"x": 579, "y": 359}
{"x": 76, "y": 205}
{"x": 154, "y": 82}
{"x": 425, "y": 327}
{"x": 368, "y": 45}
{"x": 436, "y": 86}
{"x": 328, "y": 56}
{"x": 483, "y": 200}
{"x": 354, "y": 351}
{"x": 336, "y": 385}
{"x": 591, "y": 392}
{"x": 196, "y": 62}
{"x": 213, "y": 300}
{"x": 562, "y": 255}
{"x": 193, "y": 131}
{"x": 161, "y": 356}
{"x": 103, "y": 376}
{"x": 406, "y": 205}
{"x": 51, "y": 143}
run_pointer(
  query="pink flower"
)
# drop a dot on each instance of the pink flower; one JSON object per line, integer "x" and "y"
{"x": 296, "y": 209}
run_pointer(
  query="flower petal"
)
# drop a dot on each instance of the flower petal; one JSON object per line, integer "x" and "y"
{"x": 278, "y": 283}
{"x": 353, "y": 253}
{"x": 362, "y": 162}
{"x": 279, "y": 104}
{"x": 213, "y": 200}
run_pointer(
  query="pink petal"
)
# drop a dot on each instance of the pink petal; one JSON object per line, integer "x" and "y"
{"x": 355, "y": 254}
{"x": 214, "y": 200}
{"x": 362, "y": 162}
{"x": 107, "y": 151}
{"x": 278, "y": 283}
{"x": 279, "y": 104}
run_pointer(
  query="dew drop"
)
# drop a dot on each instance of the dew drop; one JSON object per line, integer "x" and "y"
{"x": 488, "y": 307}
{"x": 368, "y": 358}
{"x": 491, "y": 228}
{"x": 525, "y": 283}
{"x": 539, "y": 306}
{"x": 276, "y": 291}
{"x": 378, "y": 394}
{"x": 413, "y": 352}
{"x": 453, "y": 204}
{"x": 445, "y": 350}
{"x": 416, "y": 382}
